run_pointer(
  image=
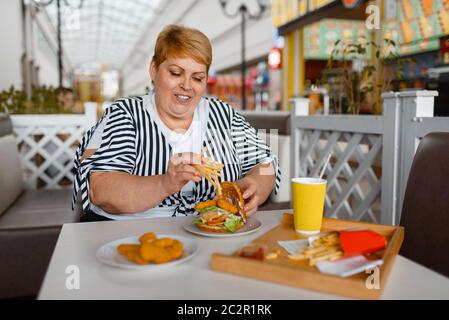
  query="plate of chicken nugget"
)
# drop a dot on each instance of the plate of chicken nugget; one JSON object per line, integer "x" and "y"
{"x": 147, "y": 251}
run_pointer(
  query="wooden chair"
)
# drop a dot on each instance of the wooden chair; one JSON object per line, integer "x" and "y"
{"x": 425, "y": 212}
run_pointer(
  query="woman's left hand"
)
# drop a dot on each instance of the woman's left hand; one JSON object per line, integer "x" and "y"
{"x": 250, "y": 194}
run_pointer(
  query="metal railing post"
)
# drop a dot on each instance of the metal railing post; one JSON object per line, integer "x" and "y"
{"x": 390, "y": 157}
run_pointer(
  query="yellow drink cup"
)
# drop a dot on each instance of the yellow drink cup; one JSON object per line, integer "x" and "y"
{"x": 308, "y": 204}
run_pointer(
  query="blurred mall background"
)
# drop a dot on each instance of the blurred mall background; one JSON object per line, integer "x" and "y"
{"x": 106, "y": 45}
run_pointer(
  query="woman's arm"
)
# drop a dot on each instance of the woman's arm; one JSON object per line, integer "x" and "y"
{"x": 121, "y": 192}
{"x": 257, "y": 185}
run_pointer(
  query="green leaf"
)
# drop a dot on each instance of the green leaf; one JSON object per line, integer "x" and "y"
{"x": 197, "y": 221}
{"x": 232, "y": 222}
{"x": 399, "y": 74}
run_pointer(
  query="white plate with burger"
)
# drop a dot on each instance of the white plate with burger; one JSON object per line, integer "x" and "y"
{"x": 223, "y": 217}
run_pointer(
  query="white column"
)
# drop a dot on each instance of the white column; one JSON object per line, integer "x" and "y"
{"x": 390, "y": 158}
{"x": 12, "y": 44}
{"x": 299, "y": 107}
{"x": 90, "y": 111}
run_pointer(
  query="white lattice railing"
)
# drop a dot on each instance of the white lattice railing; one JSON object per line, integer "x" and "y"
{"x": 371, "y": 155}
{"x": 353, "y": 190}
{"x": 353, "y": 186}
{"x": 47, "y": 146}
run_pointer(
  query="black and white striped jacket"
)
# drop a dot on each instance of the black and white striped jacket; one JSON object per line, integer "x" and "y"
{"x": 133, "y": 143}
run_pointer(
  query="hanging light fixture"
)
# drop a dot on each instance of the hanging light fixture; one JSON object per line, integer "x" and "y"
{"x": 244, "y": 12}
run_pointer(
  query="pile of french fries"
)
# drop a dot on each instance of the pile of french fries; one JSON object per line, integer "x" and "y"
{"x": 325, "y": 248}
{"x": 211, "y": 171}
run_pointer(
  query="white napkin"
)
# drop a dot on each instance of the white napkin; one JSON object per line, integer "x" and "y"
{"x": 347, "y": 266}
{"x": 293, "y": 246}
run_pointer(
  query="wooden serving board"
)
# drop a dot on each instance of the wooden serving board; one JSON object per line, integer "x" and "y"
{"x": 299, "y": 274}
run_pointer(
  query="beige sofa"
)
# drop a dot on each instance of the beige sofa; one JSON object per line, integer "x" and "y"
{"x": 30, "y": 222}
{"x": 274, "y": 128}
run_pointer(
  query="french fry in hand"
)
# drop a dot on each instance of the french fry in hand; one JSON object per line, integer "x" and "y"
{"x": 211, "y": 171}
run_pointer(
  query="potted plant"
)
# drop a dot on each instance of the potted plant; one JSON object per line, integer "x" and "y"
{"x": 43, "y": 100}
{"x": 355, "y": 81}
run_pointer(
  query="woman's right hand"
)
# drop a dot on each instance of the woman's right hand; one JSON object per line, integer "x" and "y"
{"x": 180, "y": 171}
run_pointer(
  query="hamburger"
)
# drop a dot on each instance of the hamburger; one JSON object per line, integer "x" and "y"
{"x": 224, "y": 214}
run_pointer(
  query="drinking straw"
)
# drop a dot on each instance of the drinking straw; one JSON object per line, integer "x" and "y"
{"x": 325, "y": 165}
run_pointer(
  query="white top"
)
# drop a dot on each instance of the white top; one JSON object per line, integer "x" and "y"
{"x": 194, "y": 279}
{"x": 188, "y": 141}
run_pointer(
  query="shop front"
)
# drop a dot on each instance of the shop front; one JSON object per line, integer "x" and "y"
{"x": 418, "y": 30}
{"x": 262, "y": 84}
{"x": 421, "y": 29}
{"x": 310, "y": 29}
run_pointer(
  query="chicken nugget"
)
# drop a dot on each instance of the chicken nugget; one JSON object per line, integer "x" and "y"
{"x": 148, "y": 251}
{"x": 176, "y": 250}
{"x": 227, "y": 206}
{"x": 126, "y": 247}
{"x": 164, "y": 242}
{"x": 135, "y": 257}
{"x": 147, "y": 237}
{"x": 162, "y": 255}
{"x": 205, "y": 204}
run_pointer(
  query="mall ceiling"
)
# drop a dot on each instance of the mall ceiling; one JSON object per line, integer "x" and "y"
{"x": 98, "y": 33}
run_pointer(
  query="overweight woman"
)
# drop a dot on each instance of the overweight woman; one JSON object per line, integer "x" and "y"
{"x": 136, "y": 162}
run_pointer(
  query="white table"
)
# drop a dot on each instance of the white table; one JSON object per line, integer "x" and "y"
{"x": 78, "y": 243}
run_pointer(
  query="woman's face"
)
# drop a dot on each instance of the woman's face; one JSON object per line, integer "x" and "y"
{"x": 179, "y": 84}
